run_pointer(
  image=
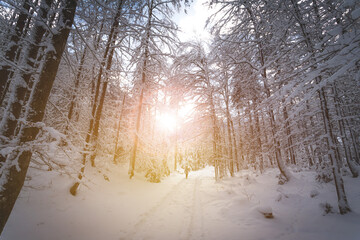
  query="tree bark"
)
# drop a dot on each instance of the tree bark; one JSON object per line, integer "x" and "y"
{"x": 76, "y": 86}
{"x": 14, "y": 170}
{"x": 290, "y": 149}
{"x": 143, "y": 81}
{"x": 10, "y": 53}
{"x": 119, "y": 128}
{"x": 235, "y": 147}
{"x": 258, "y": 141}
{"x": 111, "y": 43}
{"x": 20, "y": 88}
{"x": 228, "y": 125}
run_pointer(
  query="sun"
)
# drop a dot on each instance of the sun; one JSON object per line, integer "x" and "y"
{"x": 171, "y": 120}
{"x": 167, "y": 122}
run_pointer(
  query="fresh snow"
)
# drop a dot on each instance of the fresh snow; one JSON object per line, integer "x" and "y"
{"x": 179, "y": 208}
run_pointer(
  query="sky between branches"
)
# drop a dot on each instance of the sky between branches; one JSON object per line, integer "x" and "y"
{"x": 193, "y": 22}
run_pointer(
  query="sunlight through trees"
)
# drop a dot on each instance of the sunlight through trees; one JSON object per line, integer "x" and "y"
{"x": 87, "y": 84}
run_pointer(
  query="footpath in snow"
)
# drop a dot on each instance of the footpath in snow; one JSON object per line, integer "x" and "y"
{"x": 179, "y": 208}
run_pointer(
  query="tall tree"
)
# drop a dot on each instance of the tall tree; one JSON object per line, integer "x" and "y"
{"x": 13, "y": 47}
{"x": 20, "y": 87}
{"x": 98, "y": 104}
{"x": 157, "y": 40}
{"x": 14, "y": 169}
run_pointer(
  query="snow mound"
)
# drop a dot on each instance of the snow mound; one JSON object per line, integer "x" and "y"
{"x": 266, "y": 211}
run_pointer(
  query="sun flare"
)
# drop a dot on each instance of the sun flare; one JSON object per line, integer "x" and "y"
{"x": 167, "y": 122}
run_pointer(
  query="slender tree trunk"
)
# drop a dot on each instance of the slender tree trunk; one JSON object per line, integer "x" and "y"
{"x": 251, "y": 139}
{"x": 20, "y": 87}
{"x": 284, "y": 171}
{"x": 215, "y": 141}
{"x": 310, "y": 154}
{"x": 259, "y": 143}
{"x": 112, "y": 39}
{"x": 10, "y": 53}
{"x": 354, "y": 169}
{"x": 354, "y": 142}
{"x": 290, "y": 149}
{"x": 75, "y": 90}
{"x": 13, "y": 175}
{"x": 143, "y": 81}
{"x": 230, "y": 147}
{"x": 136, "y": 140}
{"x": 241, "y": 141}
{"x": 118, "y": 129}
{"x": 236, "y": 157}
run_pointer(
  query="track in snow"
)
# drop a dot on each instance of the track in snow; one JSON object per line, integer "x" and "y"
{"x": 178, "y": 215}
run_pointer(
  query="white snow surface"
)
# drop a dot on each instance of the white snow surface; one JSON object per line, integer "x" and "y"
{"x": 179, "y": 208}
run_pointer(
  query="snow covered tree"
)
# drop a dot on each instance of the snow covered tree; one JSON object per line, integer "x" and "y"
{"x": 194, "y": 69}
{"x": 291, "y": 48}
{"x": 6, "y": 69}
{"x": 20, "y": 86}
{"x": 157, "y": 39}
{"x": 13, "y": 170}
{"x": 98, "y": 102}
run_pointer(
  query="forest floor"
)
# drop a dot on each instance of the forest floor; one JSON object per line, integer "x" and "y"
{"x": 179, "y": 208}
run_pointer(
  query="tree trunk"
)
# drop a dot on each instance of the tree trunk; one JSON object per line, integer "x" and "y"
{"x": 76, "y": 86}
{"x": 339, "y": 183}
{"x": 354, "y": 169}
{"x": 259, "y": 143}
{"x": 20, "y": 88}
{"x": 119, "y": 128}
{"x": 241, "y": 140}
{"x": 215, "y": 141}
{"x": 137, "y": 127}
{"x": 235, "y": 146}
{"x": 13, "y": 177}
{"x": 228, "y": 125}
{"x": 143, "y": 81}
{"x": 111, "y": 43}
{"x": 10, "y": 53}
{"x": 251, "y": 139}
{"x": 290, "y": 149}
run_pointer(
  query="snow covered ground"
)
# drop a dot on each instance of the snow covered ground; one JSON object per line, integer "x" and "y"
{"x": 179, "y": 208}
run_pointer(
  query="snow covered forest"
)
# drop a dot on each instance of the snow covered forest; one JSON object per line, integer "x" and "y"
{"x": 104, "y": 107}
